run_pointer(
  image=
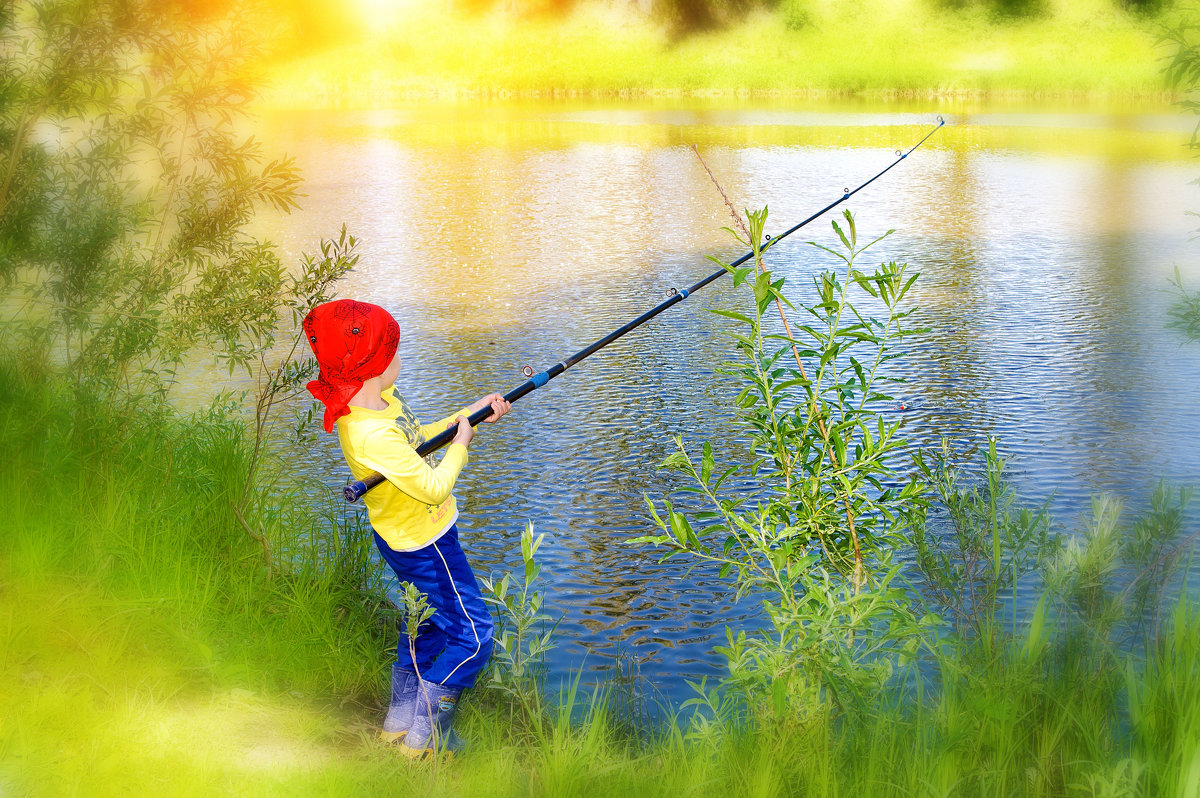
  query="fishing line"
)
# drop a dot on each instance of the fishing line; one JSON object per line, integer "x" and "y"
{"x": 354, "y": 491}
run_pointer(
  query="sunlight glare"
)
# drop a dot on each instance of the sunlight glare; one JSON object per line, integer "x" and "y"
{"x": 382, "y": 15}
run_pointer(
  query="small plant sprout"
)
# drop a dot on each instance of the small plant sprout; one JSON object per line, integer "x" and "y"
{"x": 415, "y": 612}
{"x": 992, "y": 542}
{"x": 518, "y": 662}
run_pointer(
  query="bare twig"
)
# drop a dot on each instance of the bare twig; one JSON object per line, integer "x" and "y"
{"x": 261, "y": 538}
{"x": 732, "y": 211}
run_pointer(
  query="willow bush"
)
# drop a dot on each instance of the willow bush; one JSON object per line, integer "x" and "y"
{"x": 890, "y": 598}
{"x": 814, "y": 537}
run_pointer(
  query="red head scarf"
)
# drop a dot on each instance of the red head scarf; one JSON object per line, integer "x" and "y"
{"x": 353, "y": 342}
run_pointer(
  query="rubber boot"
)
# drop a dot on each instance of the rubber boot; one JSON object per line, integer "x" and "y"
{"x": 430, "y": 732}
{"x": 403, "y": 706}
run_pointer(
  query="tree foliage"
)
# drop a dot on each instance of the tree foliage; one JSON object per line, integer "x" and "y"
{"x": 127, "y": 191}
{"x": 127, "y": 194}
{"x": 1183, "y": 75}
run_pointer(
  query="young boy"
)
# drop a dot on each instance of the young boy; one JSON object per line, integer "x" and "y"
{"x": 413, "y": 513}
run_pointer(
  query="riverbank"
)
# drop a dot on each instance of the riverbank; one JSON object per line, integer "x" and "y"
{"x": 146, "y": 645}
{"x": 1093, "y": 53}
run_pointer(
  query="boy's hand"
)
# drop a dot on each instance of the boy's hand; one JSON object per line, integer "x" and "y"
{"x": 498, "y": 404}
{"x": 466, "y": 433}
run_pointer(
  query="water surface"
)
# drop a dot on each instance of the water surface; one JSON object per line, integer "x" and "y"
{"x": 509, "y": 235}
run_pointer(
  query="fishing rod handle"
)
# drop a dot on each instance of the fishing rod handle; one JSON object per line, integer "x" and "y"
{"x": 356, "y": 490}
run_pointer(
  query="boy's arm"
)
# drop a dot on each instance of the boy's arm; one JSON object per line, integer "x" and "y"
{"x": 387, "y": 451}
{"x": 496, "y": 401}
{"x": 438, "y": 427}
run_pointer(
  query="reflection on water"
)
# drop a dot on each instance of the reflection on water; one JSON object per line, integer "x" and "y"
{"x": 504, "y": 236}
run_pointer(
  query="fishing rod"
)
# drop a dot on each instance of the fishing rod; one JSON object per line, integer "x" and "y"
{"x": 356, "y": 490}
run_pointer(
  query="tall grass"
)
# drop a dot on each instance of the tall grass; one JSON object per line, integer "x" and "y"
{"x": 143, "y": 645}
{"x": 132, "y": 596}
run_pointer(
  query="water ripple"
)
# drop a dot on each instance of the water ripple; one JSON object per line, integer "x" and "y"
{"x": 1043, "y": 288}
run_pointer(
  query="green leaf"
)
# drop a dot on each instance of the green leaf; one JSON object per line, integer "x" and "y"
{"x": 867, "y": 283}
{"x": 531, "y": 571}
{"x": 677, "y": 529}
{"x": 653, "y": 514}
{"x": 762, "y": 290}
{"x": 730, "y": 314}
{"x": 846, "y": 241}
{"x": 779, "y": 694}
{"x": 858, "y": 370}
{"x": 653, "y": 540}
{"x": 725, "y": 475}
{"x": 681, "y": 530}
{"x": 676, "y": 461}
{"x": 838, "y": 444}
{"x": 1035, "y": 639}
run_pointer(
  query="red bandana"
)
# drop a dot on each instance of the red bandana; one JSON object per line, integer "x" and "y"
{"x": 353, "y": 342}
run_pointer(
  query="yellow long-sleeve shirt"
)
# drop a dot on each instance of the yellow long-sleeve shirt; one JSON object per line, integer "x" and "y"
{"x": 414, "y": 506}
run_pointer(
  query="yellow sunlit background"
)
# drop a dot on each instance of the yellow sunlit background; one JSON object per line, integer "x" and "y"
{"x": 368, "y": 53}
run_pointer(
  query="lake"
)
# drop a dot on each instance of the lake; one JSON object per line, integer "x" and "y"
{"x": 504, "y": 235}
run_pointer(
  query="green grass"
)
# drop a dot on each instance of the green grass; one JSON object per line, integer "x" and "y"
{"x": 1089, "y": 49}
{"x": 145, "y": 647}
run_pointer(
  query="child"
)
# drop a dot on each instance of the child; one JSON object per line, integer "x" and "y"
{"x": 413, "y": 512}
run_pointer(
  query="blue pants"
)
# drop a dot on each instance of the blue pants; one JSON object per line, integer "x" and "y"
{"x": 452, "y": 646}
